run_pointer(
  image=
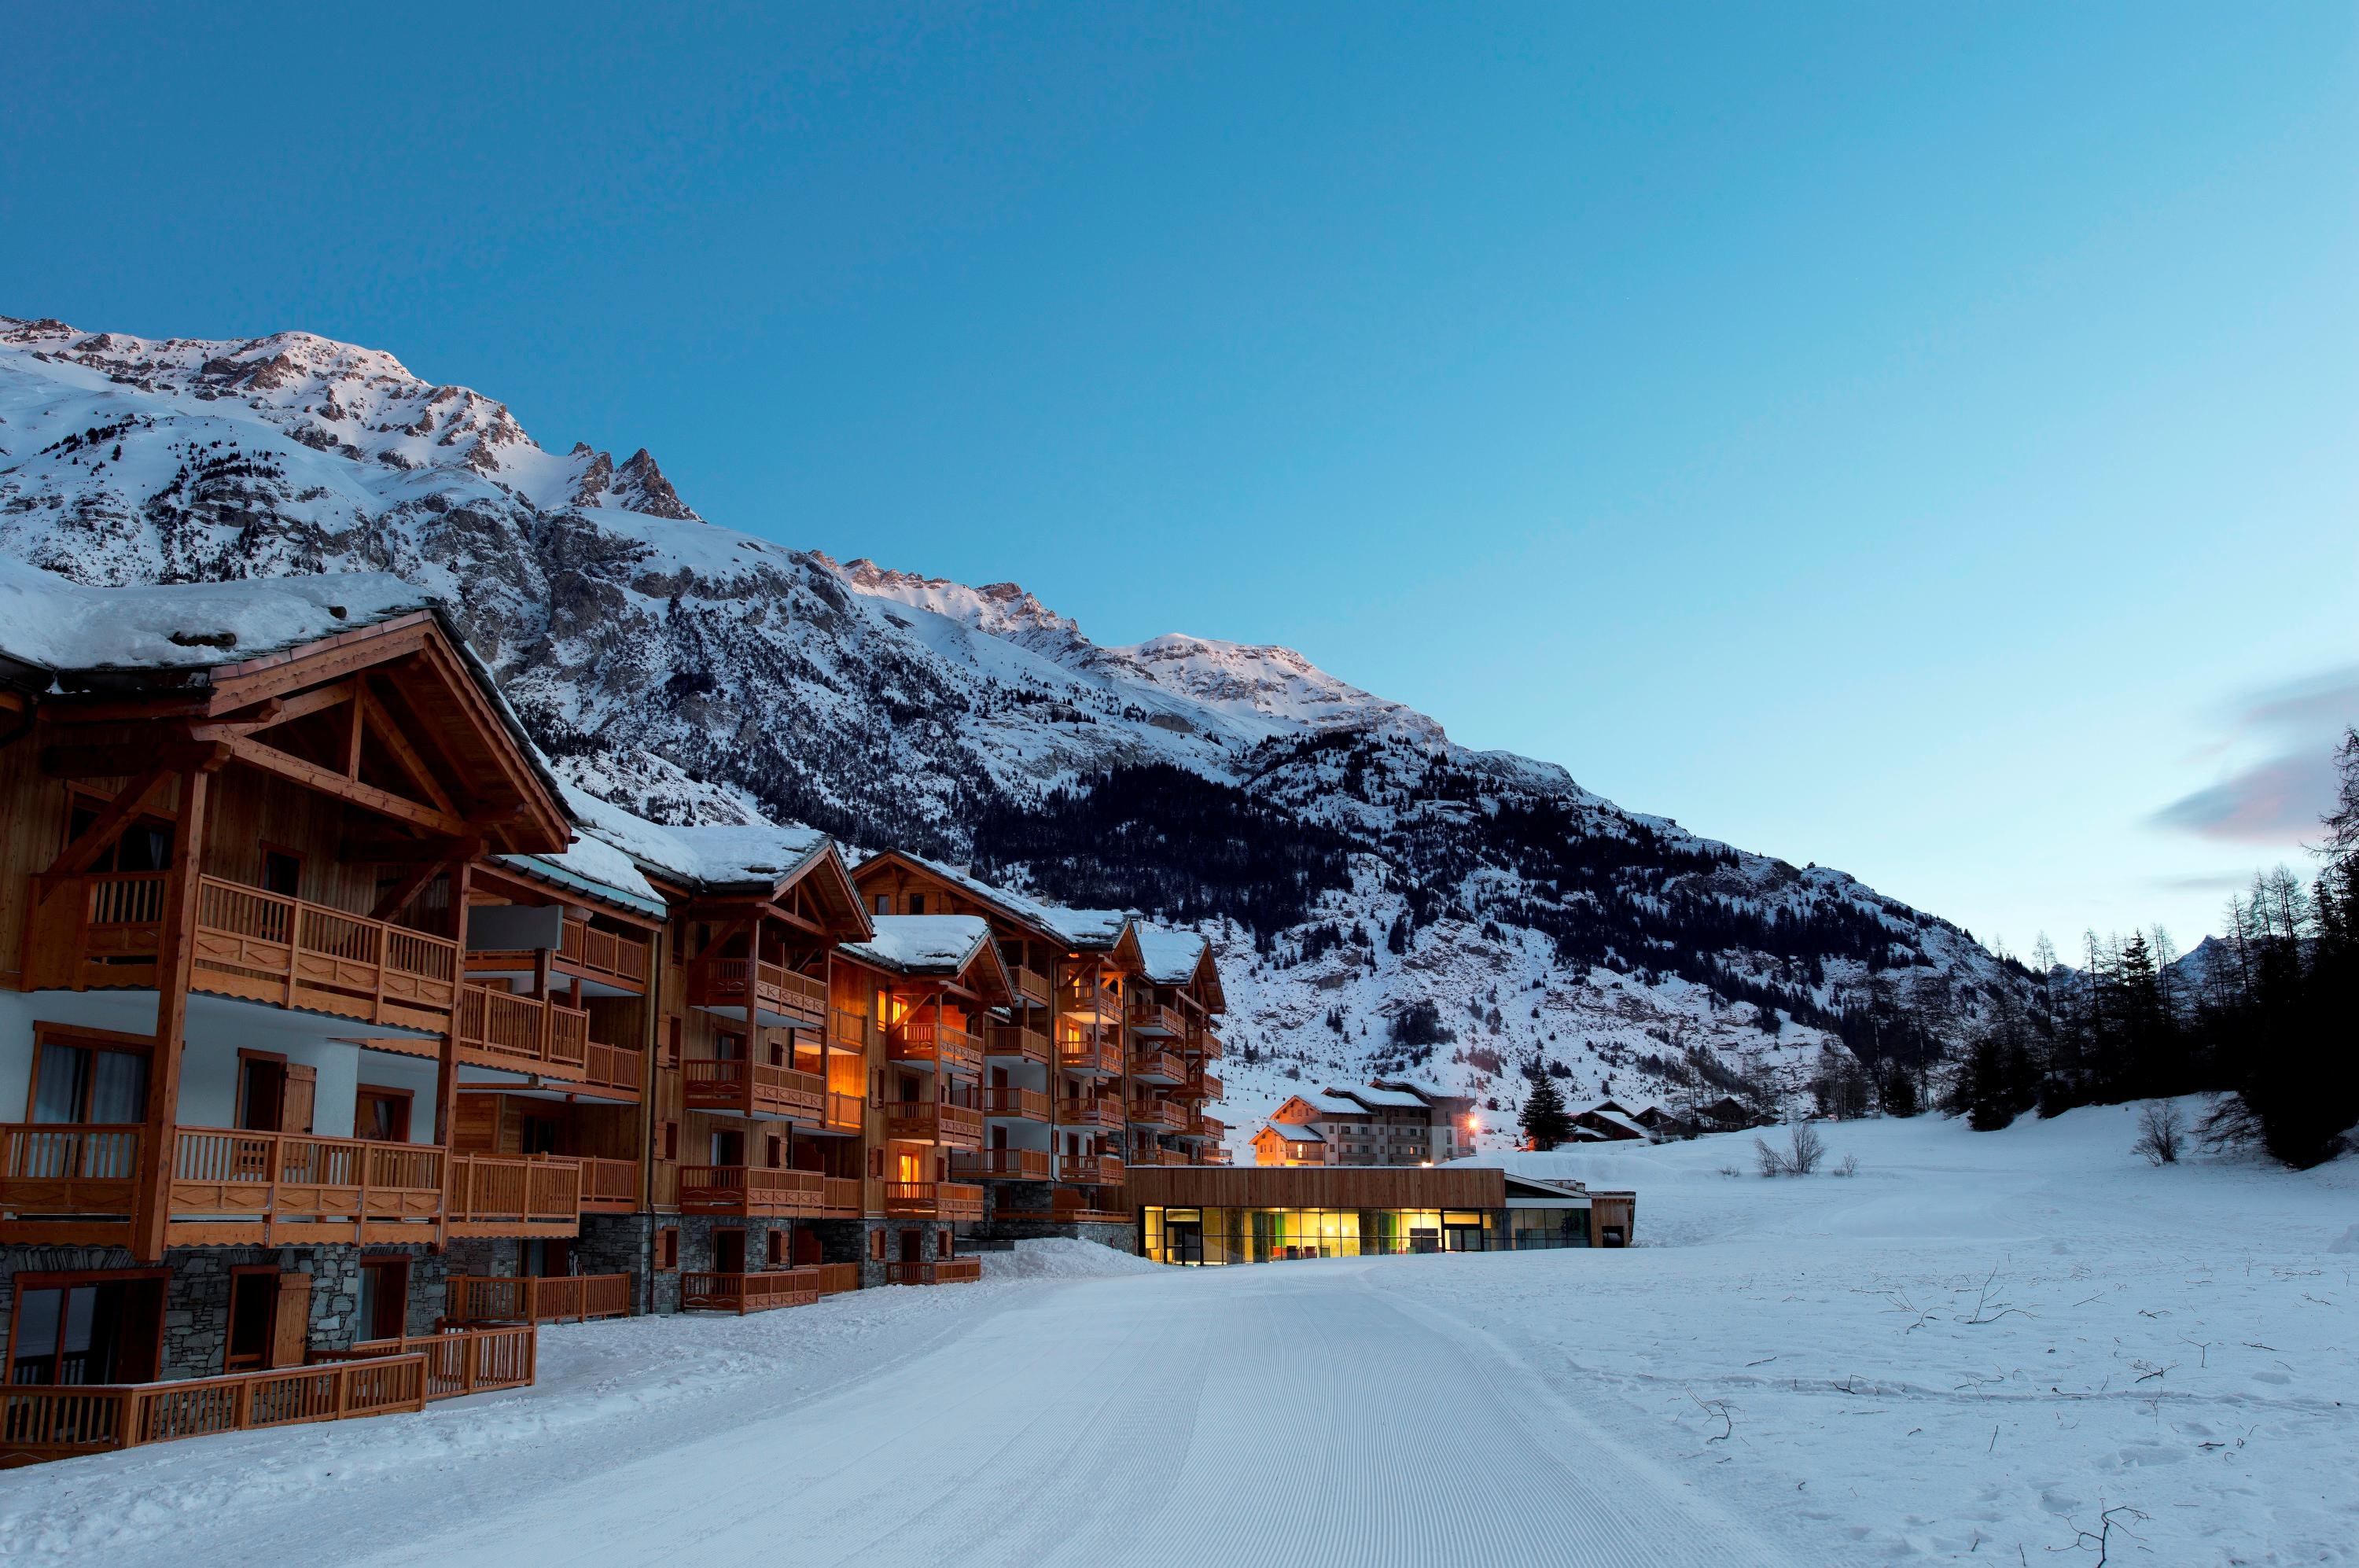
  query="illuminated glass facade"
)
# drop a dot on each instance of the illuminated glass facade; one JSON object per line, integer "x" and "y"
{"x": 1213, "y": 1235}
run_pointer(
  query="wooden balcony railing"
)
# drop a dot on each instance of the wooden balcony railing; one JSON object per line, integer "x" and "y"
{"x": 1155, "y": 1020}
{"x": 1212, "y": 1154}
{"x": 609, "y": 1186}
{"x": 840, "y": 1197}
{"x": 1157, "y": 1067}
{"x": 1160, "y": 1114}
{"x": 923, "y": 1121}
{"x": 783, "y": 996}
{"x": 1015, "y": 1042}
{"x": 1204, "y": 1084}
{"x": 1002, "y": 1165}
{"x": 943, "y": 1045}
{"x": 743, "y": 1293}
{"x": 615, "y": 1071}
{"x": 1031, "y": 985}
{"x": 1201, "y": 1125}
{"x": 1079, "y": 1206}
{"x": 460, "y": 1362}
{"x": 834, "y": 1279}
{"x": 1091, "y": 1050}
{"x": 50, "y": 1422}
{"x": 515, "y": 1194}
{"x": 607, "y": 954}
{"x": 1090, "y": 1111}
{"x": 750, "y": 1190}
{"x": 1089, "y": 1004}
{"x": 845, "y": 1112}
{"x": 1096, "y": 1170}
{"x": 1024, "y": 1105}
{"x": 933, "y": 1200}
{"x": 847, "y": 1030}
{"x": 754, "y": 1089}
{"x": 104, "y": 930}
{"x": 49, "y": 1169}
{"x": 269, "y": 1188}
{"x": 1206, "y": 1044}
{"x": 1167, "y": 1157}
{"x": 934, "y": 1271}
{"x": 523, "y": 1034}
{"x": 526, "y": 1299}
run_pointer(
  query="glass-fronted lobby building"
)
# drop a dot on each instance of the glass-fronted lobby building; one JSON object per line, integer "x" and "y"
{"x": 1211, "y": 1215}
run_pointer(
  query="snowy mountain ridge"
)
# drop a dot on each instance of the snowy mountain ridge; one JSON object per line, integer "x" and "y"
{"x": 1456, "y": 912}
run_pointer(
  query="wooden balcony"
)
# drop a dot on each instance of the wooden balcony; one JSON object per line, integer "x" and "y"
{"x": 104, "y": 930}
{"x": 834, "y": 1279}
{"x": 271, "y": 1189}
{"x": 1013, "y": 1042}
{"x": 458, "y": 1361}
{"x": 1210, "y": 1154}
{"x": 50, "y": 1173}
{"x": 50, "y": 1422}
{"x": 538, "y": 1035}
{"x": 1204, "y": 1084}
{"x": 1095, "y": 1051}
{"x": 1016, "y": 1105}
{"x": 781, "y": 996}
{"x": 1155, "y": 1020}
{"x": 558, "y": 1297}
{"x": 617, "y": 1072}
{"x": 1201, "y": 1125}
{"x": 1161, "y": 1114}
{"x": 1092, "y": 1169}
{"x": 924, "y": 1121}
{"x": 751, "y": 1190}
{"x": 924, "y": 1042}
{"x": 743, "y": 1293}
{"x": 1070, "y": 1205}
{"x": 754, "y": 1089}
{"x": 1204, "y": 1043}
{"x": 609, "y": 1186}
{"x": 932, "y": 1201}
{"x": 934, "y": 1271}
{"x": 1031, "y": 985}
{"x": 1094, "y": 1111}
{"x": 1157, "y": 1067}
{"x": 845, "y": 1113}
{"x": 848, "y": 1030}
{"x": 1166, "y": 1157}
{"x": 618, "y": 960}
{"x": 1089, "y": 1004}
{"x": 840, "y": 1197}
{"x": 512, "y": 1194}
{"x": 1002, "y": 1165}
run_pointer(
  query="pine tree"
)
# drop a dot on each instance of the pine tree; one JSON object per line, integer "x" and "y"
{"x": 1543, "y": 1116}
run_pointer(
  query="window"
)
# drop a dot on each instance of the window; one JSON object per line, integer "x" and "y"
{"x": 916, "y": 902}
{"x": 381, "y": 1116}
{"x": 728, "y": 1047}
{"x": 535, "y": 1135}
{"x": 84, "y": 1329}
{"x": 83, "y": 1080}
{"x": 777, "y": 1249}
{"x": 774, "y": 1152}
{"x": 671, "y": 1045}
{"x": 884, "y": 903}
{"x": 667, "y": 1247}
{"x": 383, "y": 1298}
{"x": 143, "y": 846}
{"x": 282, "y": 872}
{"x": 876, "y": 1163}
{"x": 670, "y": 1140}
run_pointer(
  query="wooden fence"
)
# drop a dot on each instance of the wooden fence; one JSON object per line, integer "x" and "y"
{"x": 49, "y": 1422}
{"x": 458, "y": 1361}
{"x": 557, "y": 1298}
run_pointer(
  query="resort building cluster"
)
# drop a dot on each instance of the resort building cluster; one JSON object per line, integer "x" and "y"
{"x": 350, "y": 1043}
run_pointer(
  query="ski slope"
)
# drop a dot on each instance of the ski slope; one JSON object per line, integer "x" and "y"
{"x": 1973, "y": 1351}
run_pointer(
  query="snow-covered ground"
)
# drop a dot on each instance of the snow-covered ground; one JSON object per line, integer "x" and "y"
{"x": 1970, "y": 1351}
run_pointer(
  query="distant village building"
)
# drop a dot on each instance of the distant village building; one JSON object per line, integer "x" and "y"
{"x": 1392, "y": 1121}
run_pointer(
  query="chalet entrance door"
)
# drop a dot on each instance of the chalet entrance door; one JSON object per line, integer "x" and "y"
{"x": 729, "y": 1252}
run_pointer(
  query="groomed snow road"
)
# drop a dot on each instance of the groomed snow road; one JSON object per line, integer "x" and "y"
{"x": 1289, "y": 1414}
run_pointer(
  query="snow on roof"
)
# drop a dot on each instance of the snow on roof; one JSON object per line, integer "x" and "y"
{"x": 1295, "y": 1132}
{"x": 924, "y": 944}
{"x": 1387, "y": 1099}
{"x": 592, "y": 866}
{"x": 1425, "y": 1088}
{"x": 55, "y": 624}
{"x": 1171, "y": 955}
{"x": 1616, "y": 1118}
{"x": 1334, "y": 1103}
{"x": 710, "y": 857}
{"x": 1087, "y": 929}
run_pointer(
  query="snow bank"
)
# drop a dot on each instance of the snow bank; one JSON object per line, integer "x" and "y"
{"x": 1062, "y": 1258}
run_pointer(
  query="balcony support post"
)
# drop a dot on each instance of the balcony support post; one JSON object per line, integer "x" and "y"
{"x": 445, "y": 1078}
{"x": 175, "y": 958}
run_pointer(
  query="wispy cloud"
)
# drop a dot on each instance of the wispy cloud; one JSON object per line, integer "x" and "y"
{"x": 2279, "y": 799}
{"x": 2206, "y": 882}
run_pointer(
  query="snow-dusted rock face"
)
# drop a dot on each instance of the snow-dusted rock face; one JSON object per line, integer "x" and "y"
{"x": 701, "y": 675}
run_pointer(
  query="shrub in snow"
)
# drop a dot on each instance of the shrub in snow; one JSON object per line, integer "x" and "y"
{"x": 1772, "y": 1163}
{"x": 2161, "y": 1130}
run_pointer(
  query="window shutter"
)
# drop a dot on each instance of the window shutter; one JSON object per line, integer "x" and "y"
{"x": 296, "y": 1100}
{"x": 291, "y": 1324}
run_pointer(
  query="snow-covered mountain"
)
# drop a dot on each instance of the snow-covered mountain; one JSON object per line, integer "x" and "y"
{"x": 1409, "y": 904}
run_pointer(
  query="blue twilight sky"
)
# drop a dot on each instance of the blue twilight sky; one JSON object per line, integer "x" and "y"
{"x": 1917, "y": 438}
